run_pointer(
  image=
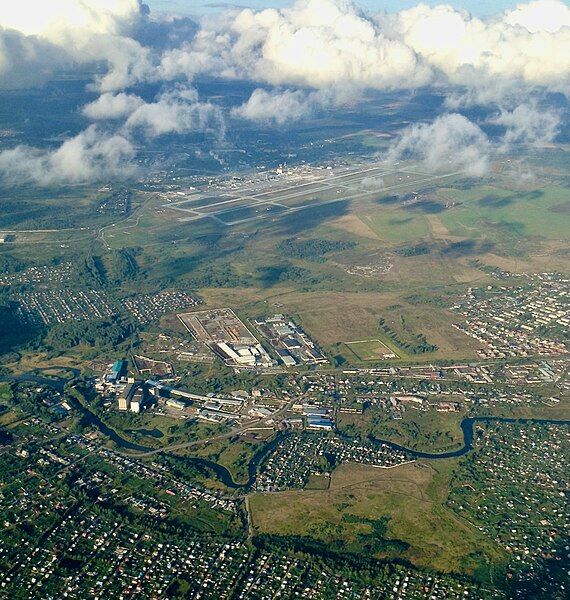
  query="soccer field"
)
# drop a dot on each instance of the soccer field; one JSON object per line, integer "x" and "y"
{"x": 367, "y": 350}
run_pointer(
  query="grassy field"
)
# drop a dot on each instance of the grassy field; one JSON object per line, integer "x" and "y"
{"x": 498, "y": 213}
{"x": 7, "y": 416}
{"x": 5, "y": 392}
{"x": 411, "y": 497}
{"x": 555, "y": 411}
{"x": 501, "y": 215}
{"x": 318, "y": 482}
{"x": 34, "y": 361}
{"x": 333, "y": 317}
{"x": 156, "y": 431}
{"x": 366, "y": 350}
{"x": 397, "y": 226}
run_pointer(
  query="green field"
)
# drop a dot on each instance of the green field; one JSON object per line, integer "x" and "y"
{"x": 369, "y": 350}
{"x": 498, "y": 213}
{"x": 7, "y": 416}
{"x": 411, "y": 498}
{"x": 318, "y": 482}
{"x": 397, "y": 226}
{"x": 234, "y": 454}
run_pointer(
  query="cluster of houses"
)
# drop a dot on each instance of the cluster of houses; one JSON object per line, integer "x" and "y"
{"x": 517, "y": 321}
{"x": 60, "y": 305}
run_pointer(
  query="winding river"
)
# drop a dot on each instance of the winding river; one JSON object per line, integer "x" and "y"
{"x": 221, "y": 472}
{"x": 57, "y": 383}
{"x": 467, "y": 426}
{"x": 225, "y": 476}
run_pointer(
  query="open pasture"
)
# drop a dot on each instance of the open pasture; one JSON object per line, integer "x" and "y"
{"x": 410, "y": 496}
{"x": 500, "y": 214}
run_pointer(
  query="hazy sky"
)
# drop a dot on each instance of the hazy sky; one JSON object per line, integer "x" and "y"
{"x": 476, "y": 7}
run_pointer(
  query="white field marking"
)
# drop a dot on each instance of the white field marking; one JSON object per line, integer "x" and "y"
{"x": 365, "y": 342}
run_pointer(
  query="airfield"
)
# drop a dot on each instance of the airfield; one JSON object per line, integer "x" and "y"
{"x": 270, "y": 194}
{"x": 408, "y": 238}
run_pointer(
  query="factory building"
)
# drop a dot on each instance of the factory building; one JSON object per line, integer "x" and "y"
{"x": 125, "y": 397}
{"x": 137, "y": 401}
{"x": 178, "y": 404}
{"x": 116, "y": 371}
{"x": 319, "y": 423}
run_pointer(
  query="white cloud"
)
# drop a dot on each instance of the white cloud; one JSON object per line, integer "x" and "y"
{"x": 82, "y": 31}
{"x": 373, "y": 183}
{"x": 177, "y": 111}
{"x": 473, "y": 52}
{"x": 449, "y": 141}
{"x": 61, "y": 21}
{"x": 186, "y": 61}
{"x": 314, "y": 43}
{"x": 321, "y": 43}
{"x": 112, "y": 106}
{"x": 92, "y": 155}
{"x": 99, "y": 155}
{"x": 505, "y": 93}
{"x": 540, "y": 15}
{"x": 128, "y": 62}
{"x": 316, "y": 53}
{"x": 281, "y": 107}
{"x": 528, "y": 124}
{"x": 27, "y": 61}
{"x": 276, "y": 107}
